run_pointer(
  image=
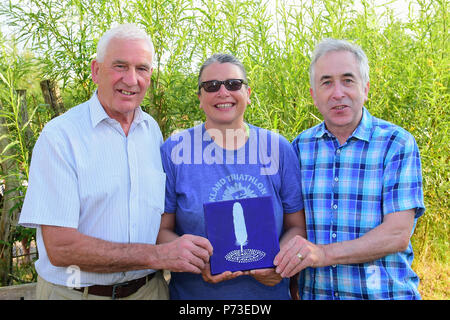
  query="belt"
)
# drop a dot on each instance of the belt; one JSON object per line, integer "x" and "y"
{"x": 119, "y": 290}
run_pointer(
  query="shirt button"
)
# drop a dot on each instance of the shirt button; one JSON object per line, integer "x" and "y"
{"x": 336, "y": 179}
{"x": 338, "y": 151}
{"x": 336, "y": 294}
{"x": 335, "y": 206}
{"x": 333, "y": 235}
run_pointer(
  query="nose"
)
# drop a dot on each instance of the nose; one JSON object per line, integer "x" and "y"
{"x": 223, "y": 91}
{"x": 338, "y": 91}
{"x": 130, "y": 77}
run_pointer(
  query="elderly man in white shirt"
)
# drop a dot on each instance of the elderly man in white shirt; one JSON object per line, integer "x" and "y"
{"x": 96, "y": 188}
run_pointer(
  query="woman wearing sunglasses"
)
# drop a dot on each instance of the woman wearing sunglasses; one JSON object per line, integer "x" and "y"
{"x": 224, "y": 159}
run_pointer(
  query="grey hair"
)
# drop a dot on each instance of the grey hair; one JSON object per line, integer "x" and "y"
{"x": 329, "y": 45}
{"x": 123, "y": 31}
{"x": 221, "y": 58}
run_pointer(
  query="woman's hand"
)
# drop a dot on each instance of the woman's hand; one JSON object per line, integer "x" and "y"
{"x": 227, "y": 275}
{"x": 267, "y": 276}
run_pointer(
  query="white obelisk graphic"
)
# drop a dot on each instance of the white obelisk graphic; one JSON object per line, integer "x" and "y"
{"x": 240, "y": 232}
{"x": 240, "y": 229}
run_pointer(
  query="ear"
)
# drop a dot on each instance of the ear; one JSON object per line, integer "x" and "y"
{"x": 94, "y": 70}
{"x": 366, "y": 91}
{"x": 311, "y": 92}
{"x": 249, "y": 91}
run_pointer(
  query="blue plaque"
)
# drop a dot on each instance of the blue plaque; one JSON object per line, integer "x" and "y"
{"x": 242, "y": 233}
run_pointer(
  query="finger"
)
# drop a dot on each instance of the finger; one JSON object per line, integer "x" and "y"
{"x": 295, "y": 243}
{"x": 262, "y": 272}
{"x": 288, "y": 258}
{"x": 283, "y": 250}
{"x": 185, "y": 266}
{"x": 206, "y": 272}
{"x": 200, "y": 252}
{"x": 220, "y": 277}
{"x": 295, "y": 265}
{"x": 203, "y": 243}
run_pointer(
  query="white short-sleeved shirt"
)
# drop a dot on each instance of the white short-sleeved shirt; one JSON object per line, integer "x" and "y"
{"x": 86, "y": 174}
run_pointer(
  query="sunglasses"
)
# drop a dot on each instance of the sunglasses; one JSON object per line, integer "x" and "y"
{"x": 230, "y": 85}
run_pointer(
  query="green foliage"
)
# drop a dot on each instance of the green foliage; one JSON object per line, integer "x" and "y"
{"x": 409, "y": 68}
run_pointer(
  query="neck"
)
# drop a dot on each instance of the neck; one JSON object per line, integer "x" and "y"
{"x": 228, "y": 137}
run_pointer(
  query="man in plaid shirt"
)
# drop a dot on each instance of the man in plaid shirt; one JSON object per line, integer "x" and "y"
{"x": 362, "y": 190}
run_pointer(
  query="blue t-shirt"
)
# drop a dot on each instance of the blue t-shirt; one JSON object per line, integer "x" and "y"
{"x": 199, "y": 171}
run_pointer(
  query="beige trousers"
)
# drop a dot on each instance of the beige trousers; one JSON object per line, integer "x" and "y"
{"x": 155, "y": 289}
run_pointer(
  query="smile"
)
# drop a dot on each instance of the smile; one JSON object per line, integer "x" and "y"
{"x": 339, "y": 107}
{"x": 127, "y": 93}
{"x": 224, "y": 105}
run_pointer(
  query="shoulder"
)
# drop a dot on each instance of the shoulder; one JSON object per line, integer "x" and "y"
{"x": 69, "y": 124}
{"x": 308, "y": 135}
{"x": 392, "y": 134}
{"x": 181, "y": 136}
{"x": 262, "y": 133}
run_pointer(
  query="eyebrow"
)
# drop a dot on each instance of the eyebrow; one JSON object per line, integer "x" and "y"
{"x": 126, "y": 62}
{"x": 347, "y": 74}
{"x": 119, "y": 62}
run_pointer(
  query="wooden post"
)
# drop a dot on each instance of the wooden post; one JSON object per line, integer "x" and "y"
{"x": 28, "y": 133}
{"x": 52, "y": 96}
{"x": 9, "y": 213}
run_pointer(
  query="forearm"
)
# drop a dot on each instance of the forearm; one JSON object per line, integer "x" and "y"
{"x": 290, "y": 233}
{"x": 67, "y": 247}
{"x": 364, "y": 249}
{"x": 294, "y": 224}
{"x": 166, "y": 235}
{"x": 379, "y": 242}
{"x": 389, "y": 237}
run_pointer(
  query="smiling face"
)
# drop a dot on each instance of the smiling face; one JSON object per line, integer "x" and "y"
{"x": 123, "y": 77}
{"x": 224, "y": 109}
{"x": 339, "y": 92}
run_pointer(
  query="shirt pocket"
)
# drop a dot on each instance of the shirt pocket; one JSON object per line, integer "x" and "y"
{"x": 156, "y": 189}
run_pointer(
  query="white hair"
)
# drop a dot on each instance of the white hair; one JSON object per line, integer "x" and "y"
{"x": 124, "y": 31}
{"x": 328, "y": 45}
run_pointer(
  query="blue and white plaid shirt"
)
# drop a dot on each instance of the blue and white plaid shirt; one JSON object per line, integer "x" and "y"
{"x": 346, "y": 192}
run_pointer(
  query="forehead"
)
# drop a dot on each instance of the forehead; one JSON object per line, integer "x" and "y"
{"x": 135, "y": 51}
{"x": 335, "y": 64}
{"x": 221, "y": 71}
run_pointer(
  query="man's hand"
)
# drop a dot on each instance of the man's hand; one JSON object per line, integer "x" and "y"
{"x": 188, "y": 253}
{"x": 297, "y": 255}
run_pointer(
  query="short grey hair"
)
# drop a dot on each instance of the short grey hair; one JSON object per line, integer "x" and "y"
{"x": 123, "y": 31}
{"x": 329, "y": 45}
{"x": 221, "y": 58}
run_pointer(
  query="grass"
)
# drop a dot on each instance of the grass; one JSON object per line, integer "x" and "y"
{"x": 434, "y": 280}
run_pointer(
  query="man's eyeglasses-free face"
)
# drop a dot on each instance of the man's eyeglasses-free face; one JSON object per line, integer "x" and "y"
{"x": 230, "y": 85}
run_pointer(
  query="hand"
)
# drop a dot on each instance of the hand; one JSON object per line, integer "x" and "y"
{"x": 267, "y": 276}
{"x": 188, "y": 253}
{"x": 289, "y": 263}
{"x": 227, "y": 275}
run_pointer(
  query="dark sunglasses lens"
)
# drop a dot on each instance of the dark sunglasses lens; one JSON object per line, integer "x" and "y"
{"x": 211, "y": 86}
{"x": 214, "y": 85}
{"x": 233, "y": 85}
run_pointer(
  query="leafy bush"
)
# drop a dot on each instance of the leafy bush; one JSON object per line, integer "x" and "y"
{"x": 408, "y": 60}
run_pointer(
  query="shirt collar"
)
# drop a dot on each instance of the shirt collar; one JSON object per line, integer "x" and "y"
{"x": 363, "y": 131}
{"x": 99, "y": 114}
